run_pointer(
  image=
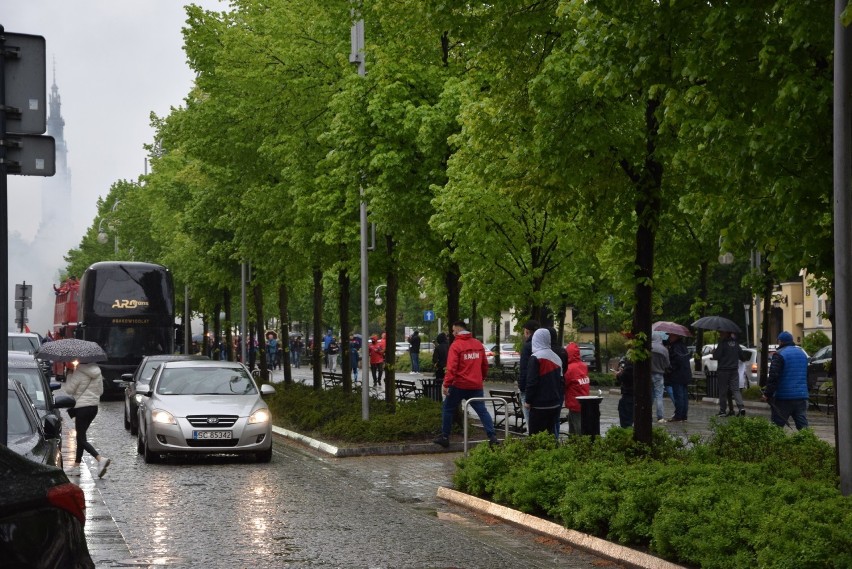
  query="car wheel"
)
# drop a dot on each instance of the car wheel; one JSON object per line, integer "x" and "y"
{"x": 134, "y": 426}
{"x": 150, "y": 456}
{"x": 264, "y": 456}
{"x": 127, "y": 417}
{"x": 140, "y": 446}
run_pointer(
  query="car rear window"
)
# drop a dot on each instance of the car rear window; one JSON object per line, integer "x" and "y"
{"x": 17, "y": 423}
{"x": 23, "y": 344}
{"x": 31, "y": 380}
{"x": 205, "y": 381}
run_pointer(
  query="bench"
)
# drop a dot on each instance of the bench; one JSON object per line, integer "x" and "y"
{"x": 508, "y": 407}
{"x": 407, "y": 390}
{"x": 332, "y": 379}
{"x": 821, "y": 396}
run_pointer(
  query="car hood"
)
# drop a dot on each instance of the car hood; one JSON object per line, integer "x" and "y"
{"x": 183, "y": 405}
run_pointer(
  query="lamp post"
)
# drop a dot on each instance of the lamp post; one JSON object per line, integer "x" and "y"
{"x": 102, "y": 236}
{"x": 376, "y": 298}
{"x": 747, "y": 308}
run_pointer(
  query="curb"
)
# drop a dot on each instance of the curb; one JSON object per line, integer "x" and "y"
{"x": 372, "y": 450}
{"x": 594, "y": 545}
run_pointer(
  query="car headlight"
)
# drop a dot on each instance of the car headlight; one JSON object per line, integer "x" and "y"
{"x": 259, "y": 416}
{"x": 160, "y": 416}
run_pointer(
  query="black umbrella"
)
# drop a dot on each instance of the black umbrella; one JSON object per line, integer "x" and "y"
{"x": 71, "y": 349}
{"x": 719, "y": 323}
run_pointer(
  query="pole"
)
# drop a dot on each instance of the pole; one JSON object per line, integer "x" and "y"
{"x": 357, "y": 57}
{"x": 4, "y": 244}
{"x": 243, "y": 314}
{"x": 842, "y": 240}
{"x": 187, "y": 327}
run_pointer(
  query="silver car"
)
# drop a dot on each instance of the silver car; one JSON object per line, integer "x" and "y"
{"x": 204, "y": 407}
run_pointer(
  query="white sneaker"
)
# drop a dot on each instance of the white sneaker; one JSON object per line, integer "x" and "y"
{"x": 102, "y": 466}
{"x": 73, "y": 470}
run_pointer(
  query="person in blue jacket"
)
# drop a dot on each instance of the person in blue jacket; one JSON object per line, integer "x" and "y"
{"x": 787, "y": 385}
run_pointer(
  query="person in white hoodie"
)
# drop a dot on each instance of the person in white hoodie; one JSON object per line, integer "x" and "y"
{"x": 86, "y": 385}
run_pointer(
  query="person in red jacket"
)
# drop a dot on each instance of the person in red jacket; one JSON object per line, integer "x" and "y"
{"x": 466, "y": 369}
{"x": 377, "y": 360}
{"x": 576, "y": 385}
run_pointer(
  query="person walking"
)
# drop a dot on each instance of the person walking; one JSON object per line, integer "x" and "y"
{"x": 466, "y": 369}
{"x": 354, "y": 355}
{"x": 377, "y": 360}
{"x": 545, "y": 384}
{"x": 326, "y": 342}
{"x": 414, "y": 351}
{"x": 86, "y": 385}
{"x": 530, "y": 326}
{"x": 439, "y": 356}
{"x": 625, "y": 378}
{"x": 787, "y": 385}
{"x": 333, "y": 352}
{"x": 659, "y": 364}
{"x": 271, "y": 350}
{"x": 729, "y": 354}
{"x": 680, "y": 377}
{"x": 576, "y": 385}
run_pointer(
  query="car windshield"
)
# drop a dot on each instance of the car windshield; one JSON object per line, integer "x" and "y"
{"x": 28, "y": 344}
{"x": 205, "y": 381}
{"x": 30, "y": 378}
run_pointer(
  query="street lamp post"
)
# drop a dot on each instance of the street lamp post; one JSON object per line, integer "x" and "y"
{"x": 102, "y": 236}
{"x": 747, "y": 308}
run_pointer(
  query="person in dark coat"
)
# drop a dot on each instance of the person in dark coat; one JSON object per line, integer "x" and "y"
{"x": 414, "y": 351}
{"x": 530, "y": 326}
{"x": 545, "y": 384}
{"x": 729, "y": 354}
{"x": 439, "y": 356}
{"x": 625, "y": 404}
{"x": 680, "y": 376}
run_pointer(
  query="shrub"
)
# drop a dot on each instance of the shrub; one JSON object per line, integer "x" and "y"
{"x": 814, "y": 341}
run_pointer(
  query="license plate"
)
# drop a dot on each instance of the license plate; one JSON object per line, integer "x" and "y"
{"x": 201, "y": 435}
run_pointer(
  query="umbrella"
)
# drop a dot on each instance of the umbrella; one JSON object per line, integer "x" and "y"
{"x": 671, "y": 328}
{"x": 71, "y": 349}
{"x": 718, "y": 323}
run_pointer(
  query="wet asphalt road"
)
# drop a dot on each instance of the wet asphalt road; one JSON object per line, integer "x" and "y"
{"x": 302, "y": 510}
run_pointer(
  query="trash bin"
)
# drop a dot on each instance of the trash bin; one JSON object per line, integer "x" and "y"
{"x": 432, "y": 389}
{"x": 590, "y": 414}
{"x": 711, "y": 385}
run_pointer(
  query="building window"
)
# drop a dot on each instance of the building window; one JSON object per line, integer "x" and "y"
{"x": 508, "y": 326}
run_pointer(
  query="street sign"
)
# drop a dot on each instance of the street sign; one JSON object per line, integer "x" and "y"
{"x": 24, "y": 291}
{"x": 30, "y": 155}
{"x": 26, "y": 83}
{"x": 428, "y": 315}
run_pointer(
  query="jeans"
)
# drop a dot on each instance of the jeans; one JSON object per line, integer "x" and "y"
{"x": 657, "y": 379}
{"x": 625, "y": 411}
{"x": 783, "y": 408}
{"x": 415, "y": 361}
{"x": 681, "y": 399}
{"x": 523, "y": 397}
{"x": 453, "y": 400}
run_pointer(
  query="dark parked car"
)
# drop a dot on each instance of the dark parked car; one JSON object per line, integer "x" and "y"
{"x": 137, "y": 383}
{"x": 587, "y": 354}
{"x": 28, "y": 434}
{"x": 41, "y": 516}
{"x": 819, "y": 366}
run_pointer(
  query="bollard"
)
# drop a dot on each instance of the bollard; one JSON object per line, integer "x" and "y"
{"x": 590, "y": 414}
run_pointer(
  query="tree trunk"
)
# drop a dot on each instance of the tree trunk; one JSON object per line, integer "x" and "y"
{"x": 453, "y": 284}
{"x": 284, "y": 316}
{"x": 229, "y": 335}
{"x": 345, "y": 328}
{"x": 261, "y": 333}
{"x": 768, "y": 286}
{"x": 702, "y": 295}
{"x": 648, "y": 205}
{"x": 316, "y": 349}
{"x": 390, "y": 325}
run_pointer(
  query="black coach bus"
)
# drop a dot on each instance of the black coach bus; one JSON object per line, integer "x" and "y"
{"x": 128, "y": 308}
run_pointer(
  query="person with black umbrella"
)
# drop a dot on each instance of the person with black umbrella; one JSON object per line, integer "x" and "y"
{"x": 729, "y": 353}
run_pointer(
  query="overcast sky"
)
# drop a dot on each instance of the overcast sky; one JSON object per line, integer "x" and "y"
{"x": 116, "y": 61}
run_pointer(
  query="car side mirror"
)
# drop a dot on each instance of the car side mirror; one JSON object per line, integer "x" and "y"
{"x": 266, "y": 389}
{"x": 148, "y": 393}
{"x": 52, "y": 426}
{"x": 127, "y": 377}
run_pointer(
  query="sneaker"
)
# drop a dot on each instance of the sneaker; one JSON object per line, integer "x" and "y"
{"x": 741, "y": 413}
{"x": 73, "y": 470}
{"x": 662, "y": 420}
{"x": 722, "y": 414}
{"x": 730, "y": 413}
{"x": 102, "y": 466}
{"x": 493, "y": 440}
{"x": 676, "y": 420}
{"x": 442, "y": 441}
